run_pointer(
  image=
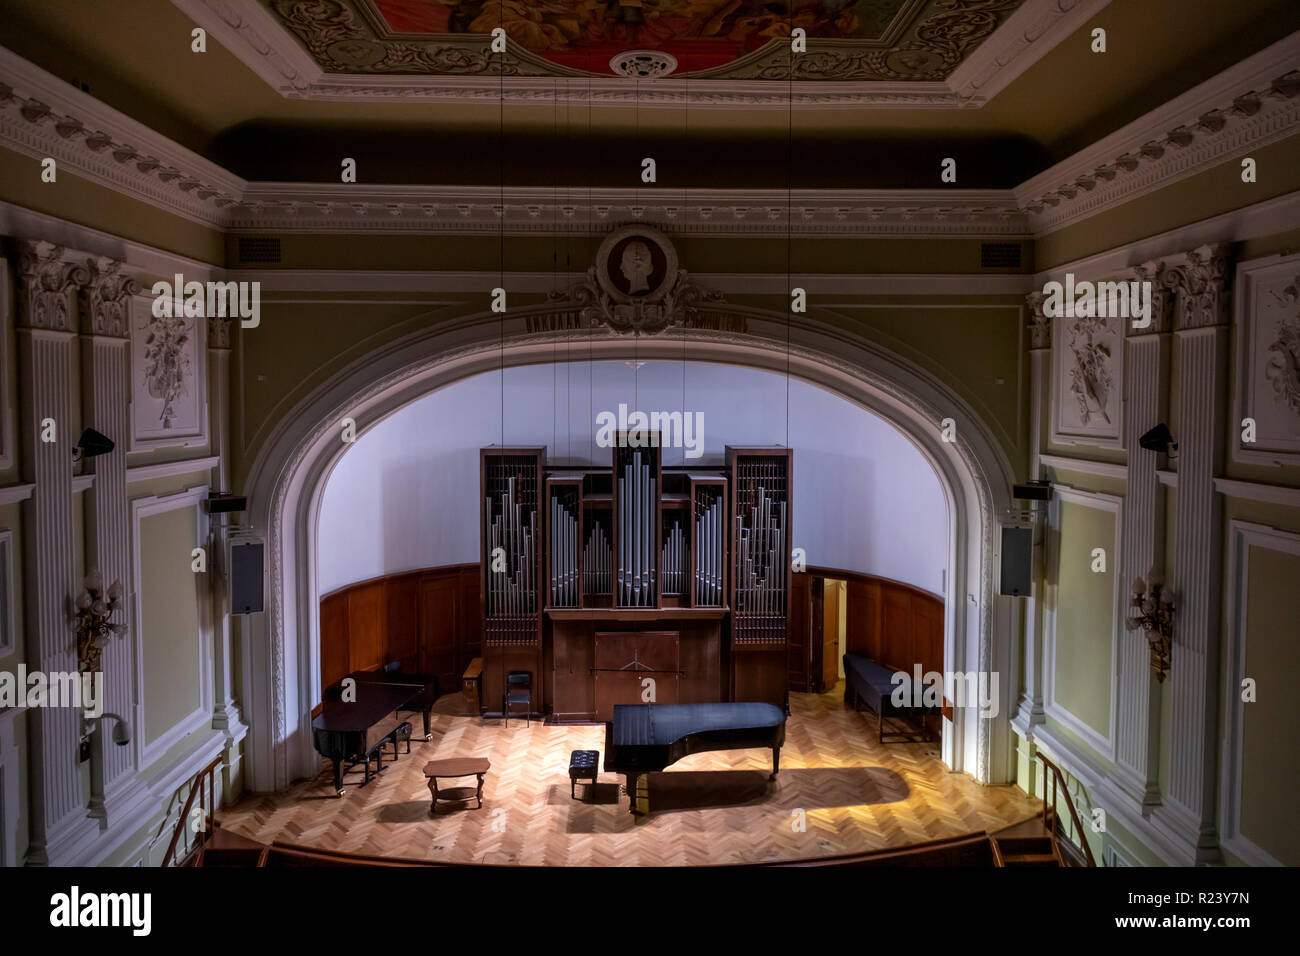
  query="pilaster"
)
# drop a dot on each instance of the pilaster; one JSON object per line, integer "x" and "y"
{"x": 46, "y": 327}
{"x": 106, "y": 394}
{"x": 1039, "y": 325}
{"x": 1146, "y": 383}
{"x": 1199, "y": 282}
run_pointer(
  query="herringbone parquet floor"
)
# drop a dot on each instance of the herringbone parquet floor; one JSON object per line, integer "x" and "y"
{"x": 838, "y": 791}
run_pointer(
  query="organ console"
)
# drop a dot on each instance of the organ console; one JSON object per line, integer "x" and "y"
{"x": 635, "y": 583}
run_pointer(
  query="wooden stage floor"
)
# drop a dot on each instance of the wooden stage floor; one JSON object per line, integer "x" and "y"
{"x": 855, "y": 794}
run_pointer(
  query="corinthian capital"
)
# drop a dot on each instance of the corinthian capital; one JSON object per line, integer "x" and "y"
{"x": 219, "y": 332}
{"x": 1162, "y": 300}
{"x": 106, "y": 298}
{"x": 47, "y": 287}
{"x": 1040, "y": 326}
{"x": 1199, "y": 280}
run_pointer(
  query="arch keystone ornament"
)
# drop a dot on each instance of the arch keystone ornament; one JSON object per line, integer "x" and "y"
{"x": 636, "y": 287}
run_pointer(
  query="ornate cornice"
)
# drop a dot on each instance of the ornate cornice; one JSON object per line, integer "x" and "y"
{"x": 953, "y": 56}
{"x": 466, "y": 210}
{"x": 106, "y": 298}
{"x": 1244, "y": 108}
{"x": 47, "y": 287}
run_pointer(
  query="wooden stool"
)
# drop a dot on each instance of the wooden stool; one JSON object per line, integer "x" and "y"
{"x": 583, "y": 764}
{"x": 456, "y": 767}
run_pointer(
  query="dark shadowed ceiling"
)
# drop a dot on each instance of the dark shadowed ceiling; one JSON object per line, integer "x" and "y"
{"x": 135, "y": 56}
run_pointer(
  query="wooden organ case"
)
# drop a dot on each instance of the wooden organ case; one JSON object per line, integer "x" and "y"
{"x": 634, "y": 583}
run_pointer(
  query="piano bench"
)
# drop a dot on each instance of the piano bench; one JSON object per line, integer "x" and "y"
{"x": 583, "y": 764}
{"x": 401, "y": 732}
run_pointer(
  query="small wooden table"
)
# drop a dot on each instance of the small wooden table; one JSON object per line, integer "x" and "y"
{"x": 472, "y": 686}
{"x": 456, "y": 767}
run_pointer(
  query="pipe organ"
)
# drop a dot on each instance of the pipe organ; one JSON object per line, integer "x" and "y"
{"x": 633, "y": 583}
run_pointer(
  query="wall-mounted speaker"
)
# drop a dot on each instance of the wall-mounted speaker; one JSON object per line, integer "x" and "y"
{"x": 246, "y": 577}
{"x": 224, "y": 504}
{"x": 1032, "y": 491}
{"x": 1017, "y": 561}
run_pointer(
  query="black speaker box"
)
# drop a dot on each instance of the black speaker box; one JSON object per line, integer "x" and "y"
{"x": 246, "y": 577}
{"x": 1034, "y": 491}
{"x": 1017, "y": 561}
{"x": 219, "y": 504}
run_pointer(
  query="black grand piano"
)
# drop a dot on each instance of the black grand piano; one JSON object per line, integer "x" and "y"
{"x": 644, "y": 738}
{"x": 350, "y": 731}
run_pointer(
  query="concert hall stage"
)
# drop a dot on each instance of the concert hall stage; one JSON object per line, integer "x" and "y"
{"x": 709, "y": 808}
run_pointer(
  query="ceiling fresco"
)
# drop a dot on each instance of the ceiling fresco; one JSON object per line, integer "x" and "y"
{"x": 883, "y": 40}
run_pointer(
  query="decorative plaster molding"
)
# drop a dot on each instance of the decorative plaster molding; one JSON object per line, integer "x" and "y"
{"x": 1040, "y": 326}
{"x": 1085, "y": 466}
{"x": 47, "y": 288}
{"x": 839, "y": 76}
{"x": 461, "y": 210}
{"x": 12, "y": 494}
{"x": 1258, "y": 491}
{"x": 1199, "y": 280}
{"x": 171, "y": 469}
{"x": 1244, "y": 108}
{"x": 1242, "y": 536}
{"x": 42, "y": 116}
{"x": 106, "y": 298}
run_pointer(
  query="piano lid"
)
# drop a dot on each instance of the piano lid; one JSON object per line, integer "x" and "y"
{"x": 661, "y": 724}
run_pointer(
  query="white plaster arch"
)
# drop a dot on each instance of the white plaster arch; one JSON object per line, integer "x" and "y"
{"x": 288, "y": 476}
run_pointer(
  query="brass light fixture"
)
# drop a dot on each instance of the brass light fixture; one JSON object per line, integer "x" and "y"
{"x": 1151, "y": 609}
{"x": 93, "y": 616}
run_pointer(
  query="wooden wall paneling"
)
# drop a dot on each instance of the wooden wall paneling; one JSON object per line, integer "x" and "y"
{"x": 799, "y": 639}
{"x": 439, "y": 603}
{"x": 896, "y": 629}
{"x": 469, "y": 636}
{"x": 367, "y": 614}
{"x": 403, "y": 631}
{"x": 334, "y": 654}
{"x": 572, "y": 658}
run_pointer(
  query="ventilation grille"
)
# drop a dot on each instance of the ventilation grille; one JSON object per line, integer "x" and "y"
{"x": 1000, "y": 255}
{"x": 258, "y": 249}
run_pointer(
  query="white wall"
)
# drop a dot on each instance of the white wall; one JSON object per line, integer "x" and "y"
{"x": 405, "y": 495}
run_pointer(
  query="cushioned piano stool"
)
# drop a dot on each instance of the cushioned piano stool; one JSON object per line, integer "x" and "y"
{"x": 401, "y": 732}
{"x": 583, "y": 764}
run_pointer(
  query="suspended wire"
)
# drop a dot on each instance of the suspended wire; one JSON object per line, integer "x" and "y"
{"x": 789, "y": 208}
{"x": 501, "y": 173}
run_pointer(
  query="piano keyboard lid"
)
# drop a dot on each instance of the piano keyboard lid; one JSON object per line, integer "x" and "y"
{"x": 659, "y": 724}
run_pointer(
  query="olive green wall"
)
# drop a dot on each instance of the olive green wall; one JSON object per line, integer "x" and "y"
{"x": 170, "y": 616}
{"x": 1270, "y": 731}
{"x": 1084, "y": 601}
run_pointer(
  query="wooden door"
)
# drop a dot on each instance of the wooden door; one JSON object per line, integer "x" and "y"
{"x": 830, "y": 632}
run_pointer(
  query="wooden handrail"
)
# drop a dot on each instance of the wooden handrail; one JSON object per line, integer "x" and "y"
{"x": 1058, "y": 785}
{"x": 196, "y": 790}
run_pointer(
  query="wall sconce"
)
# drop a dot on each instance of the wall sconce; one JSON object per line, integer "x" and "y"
{"x": 93, "y": 620}
{"x": 1151, "y": 610}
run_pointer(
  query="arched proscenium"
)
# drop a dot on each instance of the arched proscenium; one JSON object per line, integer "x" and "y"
{"x": 281, "y": 652}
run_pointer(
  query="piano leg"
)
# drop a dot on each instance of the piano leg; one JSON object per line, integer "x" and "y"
{"x": 776, "y": 762}
{"x": 338, "y": 776}
{"x": 638, "y": 796}
{"x": 427, "y": 734}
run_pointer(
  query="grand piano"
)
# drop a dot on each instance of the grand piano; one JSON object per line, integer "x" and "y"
{"x": 644, "y": 738}
{"x": 348, "y": 731}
